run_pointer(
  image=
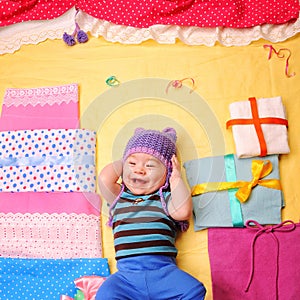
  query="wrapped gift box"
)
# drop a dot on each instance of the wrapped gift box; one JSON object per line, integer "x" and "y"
{"x": 257, "y": 262}
{"x": 259, "y": 127}
{"x": 218, "y": 207}
{"x": 47, "y": 160}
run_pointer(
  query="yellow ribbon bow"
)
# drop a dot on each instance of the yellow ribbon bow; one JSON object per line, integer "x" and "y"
{"x": 259, "y": 169}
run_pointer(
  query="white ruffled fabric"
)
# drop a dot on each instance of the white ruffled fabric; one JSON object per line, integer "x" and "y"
{"x": 12, "y": 37}
{"x": 33, "y": 32}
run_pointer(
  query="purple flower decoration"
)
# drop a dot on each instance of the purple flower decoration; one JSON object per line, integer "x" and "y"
{"x": 82, "y": 37}
{"x": 69, "y": 39}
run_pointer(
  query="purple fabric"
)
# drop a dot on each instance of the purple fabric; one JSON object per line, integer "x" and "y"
{"x": 264, "y": 259}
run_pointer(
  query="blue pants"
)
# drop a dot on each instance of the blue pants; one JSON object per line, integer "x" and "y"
{"x": 150, "y": 277}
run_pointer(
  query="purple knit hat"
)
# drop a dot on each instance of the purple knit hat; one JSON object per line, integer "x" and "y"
{"x": 161, "y": 145}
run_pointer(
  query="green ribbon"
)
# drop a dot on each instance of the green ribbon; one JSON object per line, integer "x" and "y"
{"x": 235, "y": 205}
{"x": 79, "y": 295}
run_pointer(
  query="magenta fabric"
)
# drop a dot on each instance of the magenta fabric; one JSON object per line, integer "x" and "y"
{"x": 51, "y": 107}
{"x": 143, "y": 13}
{"x": 254, "y": 257}
{"x": 56, "y": 116}
{"x": 54, "y": 202}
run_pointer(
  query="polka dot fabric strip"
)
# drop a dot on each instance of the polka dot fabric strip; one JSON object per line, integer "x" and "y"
{"x": 47, "y": 160}
{"x": 28, "y": 279}
{"x": 227, "y": 13}
{"x": 144, "y": 13}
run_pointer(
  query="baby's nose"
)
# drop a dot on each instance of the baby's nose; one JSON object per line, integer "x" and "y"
{"x": 139, "y": 170}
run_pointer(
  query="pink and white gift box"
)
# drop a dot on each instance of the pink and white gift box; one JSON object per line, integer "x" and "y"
{"x": 48, "y": 160}
{"x": 259, "y": 127}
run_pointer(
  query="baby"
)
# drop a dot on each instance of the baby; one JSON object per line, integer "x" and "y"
{"x": 146, "y": 210}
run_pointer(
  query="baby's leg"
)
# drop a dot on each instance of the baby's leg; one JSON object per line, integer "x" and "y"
{"x": 119, "y": 287}
{"x": 175, "y": 284}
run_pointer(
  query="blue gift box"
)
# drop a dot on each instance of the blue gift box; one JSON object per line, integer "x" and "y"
{"x": 221, "y": 208}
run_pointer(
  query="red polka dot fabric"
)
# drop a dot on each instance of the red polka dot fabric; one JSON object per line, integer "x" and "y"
{"x": 213, "y": 13}
{"x": 28, "y": 10}
{"x": 145, "y": 13}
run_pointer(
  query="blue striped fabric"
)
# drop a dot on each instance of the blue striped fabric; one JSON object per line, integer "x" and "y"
{"x": 141, "y": 226}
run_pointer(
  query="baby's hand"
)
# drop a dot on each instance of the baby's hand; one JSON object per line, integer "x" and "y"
{"x": 176, "y": 170}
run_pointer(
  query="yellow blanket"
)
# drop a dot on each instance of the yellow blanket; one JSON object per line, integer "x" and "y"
{"x": 145, "y": 98}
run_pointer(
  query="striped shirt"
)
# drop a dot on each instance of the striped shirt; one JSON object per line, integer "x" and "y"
{"x": 140, "y": 226}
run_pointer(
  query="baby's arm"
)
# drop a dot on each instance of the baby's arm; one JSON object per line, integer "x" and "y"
{"x": 180, "y": 205}
{"x": 108, "y": 180}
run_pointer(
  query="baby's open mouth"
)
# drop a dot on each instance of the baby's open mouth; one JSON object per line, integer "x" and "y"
{"x": 138, "y": 181}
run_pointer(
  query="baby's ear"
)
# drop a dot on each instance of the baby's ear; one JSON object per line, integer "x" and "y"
{"x": 171, "y": 133}
{"x": 139, "y": 130}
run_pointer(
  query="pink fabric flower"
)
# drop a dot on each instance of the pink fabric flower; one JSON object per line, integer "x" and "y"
{"x": 89, "y": 285}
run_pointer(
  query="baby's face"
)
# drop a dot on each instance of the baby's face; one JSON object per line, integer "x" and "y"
{"x": 143, "y": 174}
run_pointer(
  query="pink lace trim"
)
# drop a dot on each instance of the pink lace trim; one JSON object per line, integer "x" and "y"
{"x": 41, "y": 96}
{"x": 50, "y": 235}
